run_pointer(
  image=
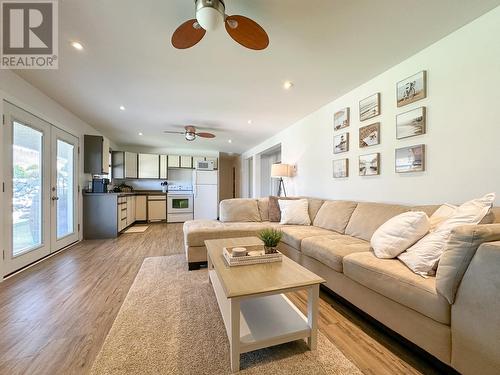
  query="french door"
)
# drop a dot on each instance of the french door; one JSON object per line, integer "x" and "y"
{"x": 40, "y": 188}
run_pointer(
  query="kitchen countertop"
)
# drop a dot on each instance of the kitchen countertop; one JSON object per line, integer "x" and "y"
{"x": 135, "y": 192}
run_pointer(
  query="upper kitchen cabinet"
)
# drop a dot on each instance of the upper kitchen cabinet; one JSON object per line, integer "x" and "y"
{"x": 96, "y": 154}
{"x": 149, "y": 166}
{"x": 186, "y": 161}
{"x": 163, "y": 167}
{"x": 124, "y": 164}
{"x": 174, "y": 161}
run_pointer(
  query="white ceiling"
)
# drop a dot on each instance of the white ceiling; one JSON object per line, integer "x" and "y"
{"x": 326, "y": 47}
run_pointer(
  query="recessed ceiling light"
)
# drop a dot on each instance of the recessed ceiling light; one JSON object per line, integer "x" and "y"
{"x": 287, "y": 85}
{"x": 249, "y": 122}
{"x": 77, "y": 45}
{"x": 229, "y": 141}
{"x": 122, "y": 108}
{"x": 140, "y": 133}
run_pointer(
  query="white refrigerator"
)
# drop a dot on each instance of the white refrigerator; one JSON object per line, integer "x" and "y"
{"x": 206, "y": 194}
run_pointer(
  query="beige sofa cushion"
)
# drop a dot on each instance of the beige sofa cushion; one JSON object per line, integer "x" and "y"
{"x": 197, "y": 231}
{"x": 428, "y": 209}
{"x": 394, "y": 280}
{"x": 367, "y": 217}
{"x": 334, "y": 215}
{"x": 263, "y": 204}
{"x": 331, "y": 250}
{"x": 314, "y": 207}
{"x": 294, "y": 234}
{"x": 458, "y": 253}
{"x": 239, "y": 210}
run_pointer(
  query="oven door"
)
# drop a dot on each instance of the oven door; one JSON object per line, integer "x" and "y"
{"x": 178, "y": 204}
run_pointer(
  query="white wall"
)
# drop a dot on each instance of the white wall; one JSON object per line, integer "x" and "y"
{"x": 463, "y": 128}
{"x": 19, "y": 92}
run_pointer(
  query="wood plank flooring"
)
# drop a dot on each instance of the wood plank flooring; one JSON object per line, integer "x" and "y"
{"x": 55, "y": 316}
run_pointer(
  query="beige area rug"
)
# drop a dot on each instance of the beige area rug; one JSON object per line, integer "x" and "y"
{"x": 170, "y": 323}
{"x": 137, "y": 229}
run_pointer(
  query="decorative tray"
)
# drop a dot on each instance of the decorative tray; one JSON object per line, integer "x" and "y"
{"x": 255, "y": 255}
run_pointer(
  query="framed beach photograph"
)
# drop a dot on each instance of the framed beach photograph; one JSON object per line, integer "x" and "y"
{"x": 341, "y": 119}
{"x": 369, "y": 165}
{"x": 411, "y": 89}
{"x": 369, "y": 107}
{"x": 410, "y": 159}
{"x": 369, "y": 135}
{"x": 411, "y": 123}
{"x": 341, "y": 143}
{"x": 341, "y": 168}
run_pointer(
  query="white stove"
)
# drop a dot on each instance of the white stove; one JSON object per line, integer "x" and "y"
{"x": 179, "y": 203}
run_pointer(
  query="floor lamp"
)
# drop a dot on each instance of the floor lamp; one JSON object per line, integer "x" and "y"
{"x": 280, "y": 170}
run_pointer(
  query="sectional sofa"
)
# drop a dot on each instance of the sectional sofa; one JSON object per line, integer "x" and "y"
{"x": 455, "y": 316}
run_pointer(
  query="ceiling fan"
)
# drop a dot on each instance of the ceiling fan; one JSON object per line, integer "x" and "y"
{"x": 190, "y": 133}
{"x": 209, "y": 14}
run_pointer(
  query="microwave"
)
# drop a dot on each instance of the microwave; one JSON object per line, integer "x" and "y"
{"x": 205, "y": 165}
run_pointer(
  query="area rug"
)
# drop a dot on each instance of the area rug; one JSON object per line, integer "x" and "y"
{"x": 170, "y": 323}
{"x": 137, "y": 229}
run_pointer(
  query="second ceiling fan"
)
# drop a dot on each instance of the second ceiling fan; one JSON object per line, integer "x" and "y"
{"x": 209, "y": 14}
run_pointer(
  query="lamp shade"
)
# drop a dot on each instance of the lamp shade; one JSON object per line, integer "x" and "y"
{"x": 281, "y": 170}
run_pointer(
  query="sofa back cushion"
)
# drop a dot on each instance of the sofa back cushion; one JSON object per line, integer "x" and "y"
{"x": 458, "y": 253}
{"x": 239, "y": 210}
{"x": 314, "y": 206}
{"x": 367, "y": 217}
{"x": 263, "y": 204}
{"x": 334, "y": 215}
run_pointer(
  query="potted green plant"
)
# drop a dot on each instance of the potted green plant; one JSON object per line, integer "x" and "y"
{"x": 271, "y": 238}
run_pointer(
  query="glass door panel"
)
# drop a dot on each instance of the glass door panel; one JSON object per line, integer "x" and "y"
{"x": 26, "y": 161}
{"x": 27, "y": 188}
{"x": 65, "y": 189}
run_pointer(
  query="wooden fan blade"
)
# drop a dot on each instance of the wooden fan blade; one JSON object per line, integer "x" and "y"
{"x": 187, "y": 34}
{"x": 247, "y": 32}
{"x": 190, "y": 128}
{"x": 205, "y": 135}
{"x": 172, "y": 132}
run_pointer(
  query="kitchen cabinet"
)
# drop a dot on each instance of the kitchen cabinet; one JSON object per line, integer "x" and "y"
{"x": 174, "y": 161}
{"x": 141, "y": 208}
{"x": 96, "y": 154}
{"x": 122, "y": 213}
{"x": 157, "y": 207}
{"x": 124, "y": 164}
{"x": 163, "y": 167}
{"x": 186, "y": 161}
{"x": 130, "y": 210}
{"x": 149, "y": 166}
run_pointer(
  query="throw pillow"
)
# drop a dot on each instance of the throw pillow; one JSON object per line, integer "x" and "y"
{"x": 274, "y": 208}
{"x": 294, "y": 212}
{"x": 458, "y": 253}
{"x": 442, "y": 213}
{"x": 399, "y": 233}
{"x": 423, "y": 257}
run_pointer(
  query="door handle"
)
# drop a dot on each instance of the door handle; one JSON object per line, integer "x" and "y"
{"x": 55, "y": 198}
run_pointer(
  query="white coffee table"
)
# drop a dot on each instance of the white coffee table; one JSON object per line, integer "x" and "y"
{"x": 255, "y": 311}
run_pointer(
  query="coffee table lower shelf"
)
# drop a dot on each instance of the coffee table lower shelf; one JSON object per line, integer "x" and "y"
{"x": 259, "y": 321}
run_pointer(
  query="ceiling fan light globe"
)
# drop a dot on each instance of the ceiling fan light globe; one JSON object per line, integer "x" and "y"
{"x": 190, "y": 136}
{"x": 209, "y": 18}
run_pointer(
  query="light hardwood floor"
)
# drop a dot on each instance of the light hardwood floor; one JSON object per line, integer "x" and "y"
{"x": 55, "y": 316}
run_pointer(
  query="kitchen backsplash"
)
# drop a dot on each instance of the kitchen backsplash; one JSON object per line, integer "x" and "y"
{"x": 176, "y": 176}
